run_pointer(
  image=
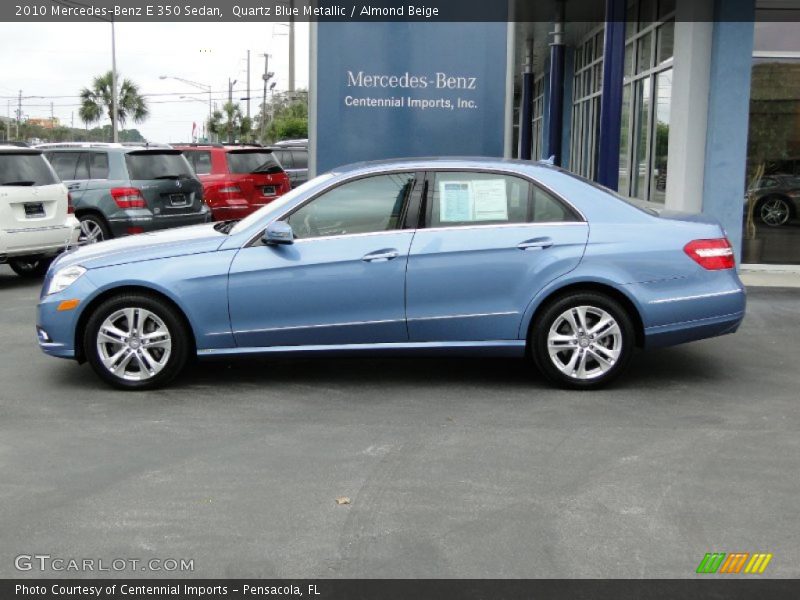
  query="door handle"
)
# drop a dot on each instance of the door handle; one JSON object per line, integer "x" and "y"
{"x": 73, "y": 186}
{"x": 535, "y": 244}
{"x": 381, "y": 256}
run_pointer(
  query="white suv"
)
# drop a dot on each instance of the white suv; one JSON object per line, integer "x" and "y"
{"x": 36, "y": 220}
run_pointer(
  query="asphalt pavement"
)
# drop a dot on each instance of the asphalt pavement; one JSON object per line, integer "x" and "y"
{"x": 453, "y": 468}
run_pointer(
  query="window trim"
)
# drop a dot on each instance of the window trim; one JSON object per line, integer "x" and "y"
{"x": 427, "y": 206}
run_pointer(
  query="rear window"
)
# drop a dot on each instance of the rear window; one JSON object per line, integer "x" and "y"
{"x": 200, "y": 160}
{"x": 157, "y": 165}
{"x": 25, "y": 169}
{"x": 253, "y": 162}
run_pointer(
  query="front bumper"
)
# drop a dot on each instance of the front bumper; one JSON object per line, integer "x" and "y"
{"x": 55, "y": 330}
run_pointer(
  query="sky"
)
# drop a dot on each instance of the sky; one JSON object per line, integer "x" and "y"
{"x": 51, "y": 62}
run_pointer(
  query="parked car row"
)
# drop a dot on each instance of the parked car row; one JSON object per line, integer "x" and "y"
{"x": 82, "y": 192}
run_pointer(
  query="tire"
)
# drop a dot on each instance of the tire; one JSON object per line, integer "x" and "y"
{"x": 30, "y": 267}
{"x": 141, "y": 363}
{"x": 774, "y": 211}
{"x": 576, "y": 360}
{"x": 93, "y": 229}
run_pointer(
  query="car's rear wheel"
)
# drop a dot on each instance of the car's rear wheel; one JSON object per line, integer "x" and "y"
{"x": 136, "y": 342}
{"x": 582, "y": 340}
{"x": 774, "y": 211}
{"x": 93, "y": 229}
{"x": 30, "y": 266}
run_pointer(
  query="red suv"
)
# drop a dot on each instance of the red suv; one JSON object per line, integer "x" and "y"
{"x": 237, "y": 179}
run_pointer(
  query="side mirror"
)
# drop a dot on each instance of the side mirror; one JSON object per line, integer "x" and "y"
{"x": 278, "y": 232}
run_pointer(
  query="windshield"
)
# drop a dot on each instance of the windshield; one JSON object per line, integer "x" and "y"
{"x": 157, "y": 165}
{"x": 29, "y": 168}
{"x": 263, "y": 212}
{"x": 257, "y": 161}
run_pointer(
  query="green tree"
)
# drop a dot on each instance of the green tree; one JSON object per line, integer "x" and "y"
{"x": 230, "y": 124}
{"x": 96, "y": 102}
{"x": 286, "y": 118}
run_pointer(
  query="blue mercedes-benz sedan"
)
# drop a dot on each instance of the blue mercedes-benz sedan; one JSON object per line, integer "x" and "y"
{"x": 422, "y": 256}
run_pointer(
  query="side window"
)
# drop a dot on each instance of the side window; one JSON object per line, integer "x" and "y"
{"x": 285, "y": 158}
{"x": 366, "y": 205}
{"x": 82, "y": 171}
{"x": 200, "y": 161}
{"x": 300, "y": 159}
{"x": 464, "y": 198}
{"x": 548, "y": 209}
{"x": 98, "y": 165}
{"x": 64, "y": 164}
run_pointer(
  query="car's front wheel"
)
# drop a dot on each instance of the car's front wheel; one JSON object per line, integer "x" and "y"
{"x": 582, "y": 340}
{"x": 30, "y": 266}
{"x": 136, "y": 342}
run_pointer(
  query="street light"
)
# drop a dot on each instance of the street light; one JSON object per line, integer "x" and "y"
{"x": 200, "y": 86}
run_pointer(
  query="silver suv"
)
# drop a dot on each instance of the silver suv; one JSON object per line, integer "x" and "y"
{"x": 121, "y": 190}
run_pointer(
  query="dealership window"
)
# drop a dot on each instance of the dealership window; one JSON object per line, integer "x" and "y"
{"x": 646, "y": 99}
{"x": 587, "y": 87}
{"x": 538, "y": 118}
{"x": 772, "y": 208}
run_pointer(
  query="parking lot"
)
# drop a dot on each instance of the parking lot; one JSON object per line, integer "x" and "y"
{"x": 454, "y": 468}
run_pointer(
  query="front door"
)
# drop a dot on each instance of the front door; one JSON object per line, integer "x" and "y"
{"x": 491, "y": 242}
{"x": 341, "y": 282}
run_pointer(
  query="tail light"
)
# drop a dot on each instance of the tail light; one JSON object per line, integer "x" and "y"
{"x": 714, "y": 255}
{"x": 128, "y": 197}
{"x": 229, "y": 188}
{"x": 134, "y": 230}
{"x": 70, "y": 205}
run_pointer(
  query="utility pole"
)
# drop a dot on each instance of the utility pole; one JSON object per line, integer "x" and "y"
{"x": 265, "y": 77}
{"x": 19, "y": 113}
{"x": 291, "y": 47}
{"x": 230, "y": 108}
{"x": 114, "y": 99}
{"x": 248, "y": 84}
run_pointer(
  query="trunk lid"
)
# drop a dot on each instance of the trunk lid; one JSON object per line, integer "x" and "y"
{"x": 165, "y": 180}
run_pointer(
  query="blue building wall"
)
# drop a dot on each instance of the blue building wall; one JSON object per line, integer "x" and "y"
{"x": 569, "y": 81}
{"x": 471, "y": 58}
{"x": 728, "y": 118}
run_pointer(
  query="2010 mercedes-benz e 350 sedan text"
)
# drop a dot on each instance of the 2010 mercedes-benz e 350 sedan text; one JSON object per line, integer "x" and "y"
{"x": 460, "y": 257}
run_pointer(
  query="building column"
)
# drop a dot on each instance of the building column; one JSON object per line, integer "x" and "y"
{"x": 556, "y": 106}
{"x": 526, "y": 110}
{"x": 694, "y": 29}
{"x": 729, "y": 116}
{"x": 611, "y": 96}
{"x": 566, "y": 125}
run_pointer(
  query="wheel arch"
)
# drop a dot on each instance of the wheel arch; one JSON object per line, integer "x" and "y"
{"x": 87, "y": 311}
{"x": 539, "y": 304}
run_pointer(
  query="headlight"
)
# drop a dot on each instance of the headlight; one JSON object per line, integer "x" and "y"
{"x": 64, "y": 278}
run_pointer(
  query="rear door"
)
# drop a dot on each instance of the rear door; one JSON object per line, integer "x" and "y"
{"x": 31, "y": 196}
{"x": 166, "y": 180}
{"x": 258, "y": 174}
{"x": 66, "y": 165}
{"x": 491, "y": 241}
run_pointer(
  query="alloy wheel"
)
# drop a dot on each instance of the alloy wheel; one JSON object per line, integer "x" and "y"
{"x": 584, "y": 342}
{"x": 134, "y": 344}
{"x": 775, "y": 212}
{"x": 91, "y": 232}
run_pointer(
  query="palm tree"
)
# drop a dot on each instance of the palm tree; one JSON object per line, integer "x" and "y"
{"x": 96, "y": 101}
{"x": 230, "y": 123}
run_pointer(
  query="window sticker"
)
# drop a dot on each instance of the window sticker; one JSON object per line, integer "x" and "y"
{"x": 455, "y": 201}
{"x": 490, "y": 200}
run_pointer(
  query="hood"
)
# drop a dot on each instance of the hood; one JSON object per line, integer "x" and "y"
{"x": 167, "y": 243}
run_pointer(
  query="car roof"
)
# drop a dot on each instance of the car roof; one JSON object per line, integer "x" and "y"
{"x": 298, "y": 142}
{"x": 123, "y": 147}
{"x": 225, "y": 147}
{"x": 443, "y": 162}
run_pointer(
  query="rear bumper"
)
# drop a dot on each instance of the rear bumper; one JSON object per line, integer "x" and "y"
{"x": 224, "y": 211}
{"x": 148, "y": 222}
{"x": 689, "y": 309}
{"x": 44, "y": 241}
